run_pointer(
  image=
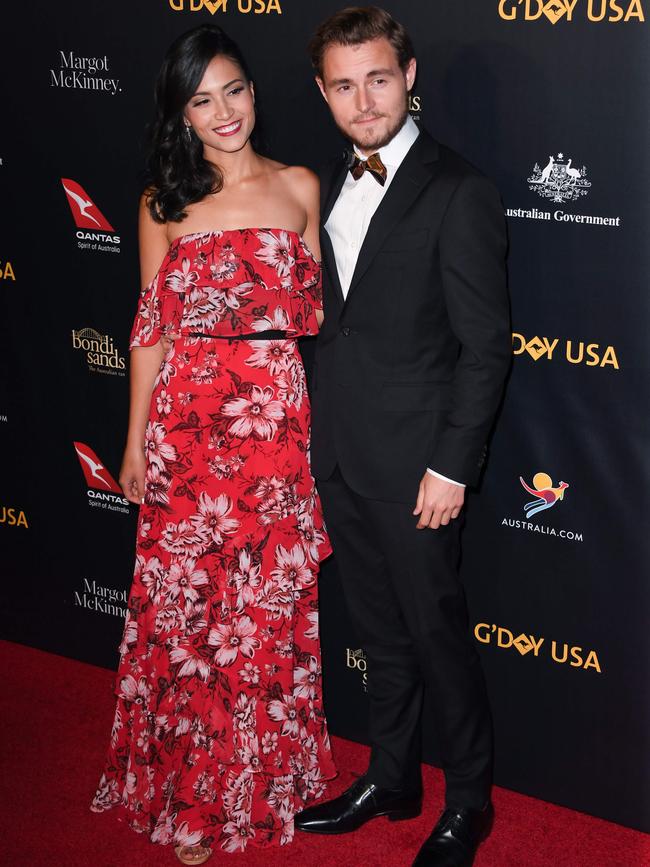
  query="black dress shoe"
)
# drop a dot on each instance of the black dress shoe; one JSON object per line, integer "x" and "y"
{"x": 456, "y": 838}
{"x": 356, "y": 806}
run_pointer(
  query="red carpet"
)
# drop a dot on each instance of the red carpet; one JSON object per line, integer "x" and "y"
{"x": 56, "y": 716}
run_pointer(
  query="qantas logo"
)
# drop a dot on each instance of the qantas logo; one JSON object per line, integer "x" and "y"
{"x": 97, "y": 476}
{"x": 85, "y": 212}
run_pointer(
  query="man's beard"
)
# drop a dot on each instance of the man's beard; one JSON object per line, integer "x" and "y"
{"x": 376, "y": 144}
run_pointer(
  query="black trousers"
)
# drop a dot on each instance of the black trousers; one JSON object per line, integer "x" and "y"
{"x": 402, "y": 590}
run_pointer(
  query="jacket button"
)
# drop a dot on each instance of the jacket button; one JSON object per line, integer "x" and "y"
{"x": 345, "y": 331}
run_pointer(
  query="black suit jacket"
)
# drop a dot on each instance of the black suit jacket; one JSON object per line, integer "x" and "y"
{"x": 410, "y": 367}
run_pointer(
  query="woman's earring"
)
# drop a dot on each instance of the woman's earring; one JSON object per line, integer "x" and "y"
{"x": 188, "y": 130}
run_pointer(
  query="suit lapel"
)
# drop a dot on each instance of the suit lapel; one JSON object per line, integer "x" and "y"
{"x": 328, "y": 199}
{"x": 329, "y": 264}
{"x": 331, "y": 194}
{"x": 416, "y": 170}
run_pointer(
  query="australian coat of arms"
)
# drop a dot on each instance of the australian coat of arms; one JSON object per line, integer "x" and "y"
{"x": 559, "y": 181}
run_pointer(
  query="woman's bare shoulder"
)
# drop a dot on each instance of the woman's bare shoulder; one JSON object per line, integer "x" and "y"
{"x": 145, "y": 205}
{"x": 301, "y": 182}
{"x": 300, "y": 175}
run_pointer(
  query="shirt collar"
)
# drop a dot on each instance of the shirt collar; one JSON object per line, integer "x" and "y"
{"x": 394, "y": 152}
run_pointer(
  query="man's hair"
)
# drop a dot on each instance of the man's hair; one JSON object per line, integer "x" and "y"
{"x": 358, "y": 24}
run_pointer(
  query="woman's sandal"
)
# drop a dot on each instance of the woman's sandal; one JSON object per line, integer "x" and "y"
{"x": 192, "y": 854}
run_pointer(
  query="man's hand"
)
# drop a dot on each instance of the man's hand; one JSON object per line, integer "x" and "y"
{"x": 438, "y": 503}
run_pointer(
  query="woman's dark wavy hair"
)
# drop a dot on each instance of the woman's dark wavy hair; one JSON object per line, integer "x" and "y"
{"x": 177, "y": 173}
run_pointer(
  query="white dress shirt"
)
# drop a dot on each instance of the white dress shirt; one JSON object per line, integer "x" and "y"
{"x": 357, "y": 202}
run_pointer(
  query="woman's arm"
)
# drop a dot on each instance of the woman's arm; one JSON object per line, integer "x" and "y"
{"x": 144, "y": 363}
{"x": 308, "y": 189}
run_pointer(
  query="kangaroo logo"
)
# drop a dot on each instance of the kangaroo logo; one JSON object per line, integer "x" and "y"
{"x": 559, "y": 181}
{"x": 85, "y": 212}
{"x": 96, "y": 474}
{"x": 554, "y": 10}
{"x": 546, "y": 496}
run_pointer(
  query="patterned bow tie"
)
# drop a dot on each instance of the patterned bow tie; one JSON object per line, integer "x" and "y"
{"x": 373, "y": 165}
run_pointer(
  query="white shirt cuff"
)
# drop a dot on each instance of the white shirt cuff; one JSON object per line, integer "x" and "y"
{"x": 444, "y": 478}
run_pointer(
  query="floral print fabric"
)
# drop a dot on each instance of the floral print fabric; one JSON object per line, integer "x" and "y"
{"x": 219, "y": 734}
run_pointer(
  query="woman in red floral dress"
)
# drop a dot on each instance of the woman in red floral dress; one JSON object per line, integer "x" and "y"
{"x": 219, "y": 734}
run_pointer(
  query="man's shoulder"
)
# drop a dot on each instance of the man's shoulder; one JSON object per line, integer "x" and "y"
{"x": 458, "y": 168}
{"x": 327, "y": 175}
{"x": 457, "y": 163}
{"x": 449, "y": 159}
{"x": 333, "y": 165}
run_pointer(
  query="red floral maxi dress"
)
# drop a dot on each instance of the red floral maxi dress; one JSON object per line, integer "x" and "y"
{"x": 219, "y": 734}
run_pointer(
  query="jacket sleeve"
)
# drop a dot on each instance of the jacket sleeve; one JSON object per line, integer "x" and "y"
{"x": 472, "y": 251}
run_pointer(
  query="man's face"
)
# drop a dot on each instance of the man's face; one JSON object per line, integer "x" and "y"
{"x": 367, "y": 91}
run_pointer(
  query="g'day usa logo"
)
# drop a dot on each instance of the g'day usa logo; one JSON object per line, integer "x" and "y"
{"x": 605, "y": 11}
{"x": 103, "y": 491}
{"x": 258, "y": 7}
{"x": 94, "y": 232}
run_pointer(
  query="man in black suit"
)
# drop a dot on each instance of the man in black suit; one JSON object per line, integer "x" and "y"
{"x": 410, "y": 366}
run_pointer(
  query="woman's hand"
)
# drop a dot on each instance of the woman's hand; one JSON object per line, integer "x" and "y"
{"x": 132, "y": 473}
{"x": 167, "y": 342}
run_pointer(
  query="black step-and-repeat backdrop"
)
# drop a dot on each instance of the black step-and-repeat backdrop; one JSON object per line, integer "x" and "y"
{"x": 549, "y": 99}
